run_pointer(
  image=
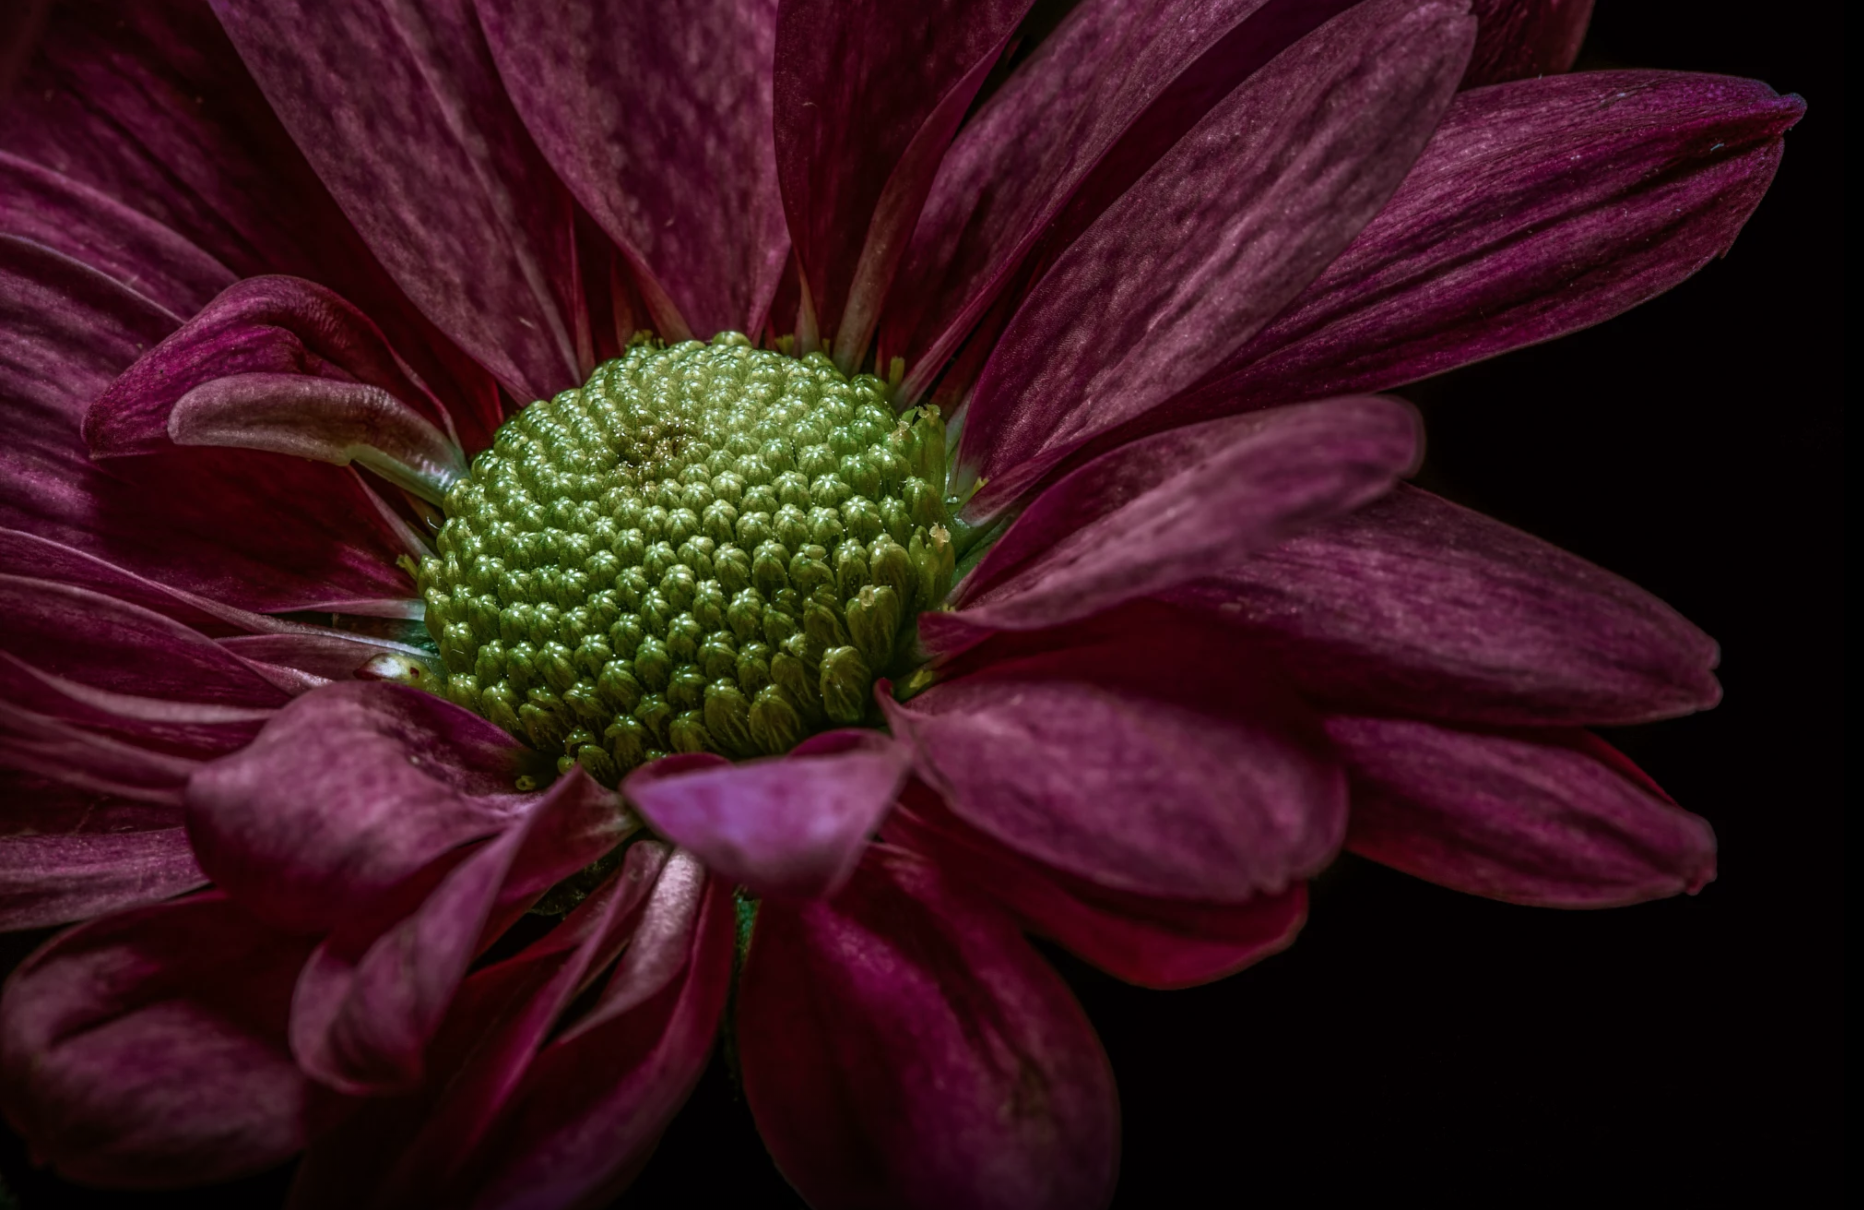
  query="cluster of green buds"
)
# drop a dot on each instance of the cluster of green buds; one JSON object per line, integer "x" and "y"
{"x": 707, "y": 548}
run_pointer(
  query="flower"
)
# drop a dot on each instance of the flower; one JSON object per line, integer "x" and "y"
{"x": 1192, "y": 610}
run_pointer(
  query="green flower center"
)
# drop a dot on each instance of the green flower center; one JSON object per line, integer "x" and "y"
{"x": 706, "y": 548}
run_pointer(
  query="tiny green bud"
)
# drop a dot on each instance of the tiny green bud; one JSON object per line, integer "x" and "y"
{"x": 874, "y": 623}
{"x": 845, "y": 681}
{"x": 776, "y": 724}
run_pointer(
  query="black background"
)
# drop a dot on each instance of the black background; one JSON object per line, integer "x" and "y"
{"x": 1418, "y": 1040}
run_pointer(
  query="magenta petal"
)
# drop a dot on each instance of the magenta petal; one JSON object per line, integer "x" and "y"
{"x": 345, "y": 793}
{"x": 867, "y": 96}
{"x": 328, "y": 655}
{"x": 72, "y": 218}
{"x": 371, "y": 997}
{"x": 47, "y": 880}
{"x": 75, "y": 655}
{"x": 658, "y": 120}
{"x": 792, "y": 826}
{"x": 402, "y": 114}
{"x": 593, "y": 1105}
{"x": 1178, "y": 271}
{"x": 1160, "y": 511}
{"x": 68, "y": 854}
{"x": 262, "y": 326}
{"x": 1552, "y": 819}
{"x": 64, "y": 564}
{"x": 1517, "y": 39}
{"x": 186, "y": 517}
{"x": 37, "y": 743}
{"x": 147, "y": 1049}
{"x": 903, "y": 1046}
{"x": 1160, "y": 943}
{"x": 1539, "y": 207}
{"x": 1148, "y": 751}
{"x": 398, "y": 1150}
{"x": 154, "y": 108}
{"x": 1415, "y": 606}
{"x": 1018, "y": 161}
{"x": 334, "y": 422}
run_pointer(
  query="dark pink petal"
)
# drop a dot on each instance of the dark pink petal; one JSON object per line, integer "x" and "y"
{"x": 1169, "y": 508}
{"x": 1551, "y": 818}
{"x": 372, "y": 997}
{"x": 397, "y": 1151}
{"x": 401, "y": 112}
{"x": 658, "y": 120}
{"x": 70, "y": 217}
{"x": 46, "y": 880}
{"x": 249, "y": 530}
{"x": 1415, "y": 606}
{"x": 1538, "y": 208}
{"x": 345, "y": 793}
{"x": 93, "y": 640}
{"x": 790, "y": 826}
{"x": 594, "y": 1103}
{"x": 153, "y": 107}
{"x": 1019, "y": 160}
{"x": 273, "y": 326}
{"x": 36, "y": 743}
{"x": 51, "y": 560}
{"x": 1179, "y": 270}
{"x": 1516, "y": 39}
{"x": 334, "y": 422}
{"x": 69, "y": 854}
{"x": 867, "y": 96}
{"x": 903, "y": 1046}
{"x": 331, "y": 655}
{"x": 146, "y": 1049}
{"x": 1161, "y": 943}
{"x": 1146, "y": 751}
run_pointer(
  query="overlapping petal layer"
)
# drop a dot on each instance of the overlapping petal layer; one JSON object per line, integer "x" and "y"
{"x": 903, "y": 1046}
{"x": 145, "y": 1049}
{"x": 1412, "y": 605}
{"x": 1146, "y": 751}
{"x": 1316, "y": 142}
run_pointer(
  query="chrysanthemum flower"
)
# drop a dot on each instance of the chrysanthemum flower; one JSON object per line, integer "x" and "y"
{"x": 1024, "y": 554}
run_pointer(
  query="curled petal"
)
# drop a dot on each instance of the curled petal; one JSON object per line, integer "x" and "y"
{"x": 595, "y": 1101}
{"x": 146, "y": 1049}
{"x": 904, "y": 1046}
{"x": 793, "y": 826}
{"x": 398, "y": 1150}
{"x": 66, "y": 333}
{"x": 1177, "y": 273}
{"x": 266, "y": 328}
{"x": 1166, "y": 509}
{"x": 345, "y": 793}
{"x": 1415, "y": 606}
{"x": 1147, "y": 751}
{"x": 376, "y": 990}
{"x": 1161, "y": 943}
{"x": 1552, "y": 819}
{"x": 335, "y": 422}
